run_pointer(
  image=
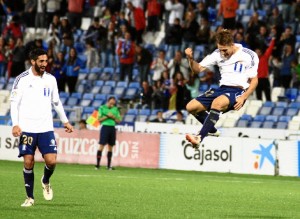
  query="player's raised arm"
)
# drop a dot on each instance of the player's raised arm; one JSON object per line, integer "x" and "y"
{"x": 195, "y": 66}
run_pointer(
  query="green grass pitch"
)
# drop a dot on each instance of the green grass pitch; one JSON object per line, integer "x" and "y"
{"x": 82, "y": 192}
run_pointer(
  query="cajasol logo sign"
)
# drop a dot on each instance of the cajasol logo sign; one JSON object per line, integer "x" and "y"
{"x": 263, "y": 155}
{"x": 204, "y": 155}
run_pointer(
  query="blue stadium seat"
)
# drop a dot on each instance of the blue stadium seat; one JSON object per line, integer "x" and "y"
{"x": 284, "y": 118}
{"x": 64, "y": 94}
{"x": 88, "y": 109}
{"x": 282, "y": 125}
{"x": 98, "y": 83}
{"x": 92, "y": 76}
{"x": 85, "y": 102}
{"x": 119, "y": 92}
{"x": 96, "y": 70}
{"x": 134, "y": 84}
{"x": 278, "y": 111}
{"x": 57, "y": 124}
{"x": 256, "y": 124}
{"x": 111, "y": 83}
{"x": 96, "y": 90}
{"x": 97, "y": 103}
{"x": 244, "y": 120}
{"x": 291, "y": 93}
{"x": 88, "y": 96}
{"x": 146, "y": 112}
{"x": 122, "y": 84}
{"x": 110, "y": 70}
{"x": 290, "y": 111}
{"x": 265, "y": 110}
{"x": 72, "y": 101}
{"x": 132, "y": 112}
{"x": 272, "y": 118}
{"x": 76, "y": 94}
{"x": 131, "y": 93}
{"x": 101, "y": 97}
{"x": 269, "y": 104}
{"x": 107, "y": 89}
{"x": 142, "y": 118}
{"x": 154, "y": 111}
{"x": 260, "y": 118}
{"x": 281, "y": 104}
{"x": 129, "y": 118}
{"x": 268, "y": 124}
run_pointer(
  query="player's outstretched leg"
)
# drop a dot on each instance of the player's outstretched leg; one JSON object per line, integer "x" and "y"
{"x": 29, "y": 184}
{"x": 201, "y": 117}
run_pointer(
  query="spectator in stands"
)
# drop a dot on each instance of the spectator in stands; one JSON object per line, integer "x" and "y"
{"x": 296, "y": 74}
{"x": 263, "y": 71}
{"x": 253, "y": 27}
{"x": 143, "y": 59}
{"x": 159, "y": 65}
{"x": 122, "y": 21}
{"x": 153, "y": 13}
{"x": 178, "y": 64}
{"x": 65, "y": 28}
{"x": 166, "y": 85}
{"x": 275, "y": 65}
{"x": 183, "y": 95}
{"x": 7, "y": 11}
{"x": 285, "y": 74}
{"x": 126, "y": 52}
{"x": 257, "y": 4}
{"x": 82, "y": 125}
{"x": 94, "y": 30}
{"x": 203, "y": 33}
{"x": 262, "y": 39}
{"x": 40, "y": 18}
{"x": 159, "y": 118}
{"x": 275, "y": 19}
{"x": 157, "y": 96}
{"x": 228, "y": 11}
{"x": 3, "y": 60}
{"x": 14, "y": 29}
{"x": 54, "y": 29}
{"x": 18, "y": 58}
{"x": 58, "y": 73}
{"x": 51, "y": 57}
{"x": 175, "y": 11}
{"x": 137, "y": 21}
{"x": 71, "y": 69}
{"x": 109, "y": 116}
{"x": 9, "y": 55}
{"x": 92, "y": 55}
{"x": 106, "y": 18}
{"x": 75, "y": 10}
{"x": 114, "y": 5}
{"x": 179, "y": 118}
{"x": 67, "y": 43}
{"x": 146, "y": 94}
{"x": 287, "y": 37}
{"x": 193, "y": 84}
{"x": 29, "y": 13}
{"x": 239, "y": 38}
{"x": 173, "y": 38}
{"x": 190, "y": 28}
{"x": 201, "y": 12}
{"x": 287, "y": 10}
{"x": 52, "y": 9}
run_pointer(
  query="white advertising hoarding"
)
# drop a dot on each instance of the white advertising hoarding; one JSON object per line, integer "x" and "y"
{"x": 223, "y": 154}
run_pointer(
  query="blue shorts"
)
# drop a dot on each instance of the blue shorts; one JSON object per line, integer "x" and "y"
{"x": 45, "y": 142}
{"x": 230, "y": 92}
{"x": 108, "y": 135}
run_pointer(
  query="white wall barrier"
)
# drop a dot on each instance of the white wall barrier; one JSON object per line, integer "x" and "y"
{"x": 172, "y": 151}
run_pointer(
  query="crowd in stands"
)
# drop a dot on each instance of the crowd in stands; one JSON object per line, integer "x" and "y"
{"x": 115, "y": 38}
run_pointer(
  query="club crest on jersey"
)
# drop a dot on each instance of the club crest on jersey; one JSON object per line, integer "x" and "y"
{"x": 13, "y": 94}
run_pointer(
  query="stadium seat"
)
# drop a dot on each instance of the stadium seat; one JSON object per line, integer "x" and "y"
{"x": 146, "y": 112}
{"x": 119, "y": 92}
{"x": 199, "y": 52}
{"x": 291, "y": 94}
{"x": 132, "y": 112}
{"x": 107, "y": 89}
{"x": 278, "y": 111}
{"x": 97, "y": 103}
{"x": 272, "y": 118}
{"x": 129, "y": 118}
{"x": 131, "y": 93}
{"x": 76, "y": 94}
{"x": 85, "y": 102}
{"x": 96, "y": 70}
{"x": 92, "y": 76}
{"x": 291, "y": 111}
{"x": 268, "y": 124}
{"x": 122, "y": 84}
{"x": 281, "y": 104}
{"x": 268, "y": 104}
{"x": 105, "y": 76}
{"x": 88, "y": 109}
{"x": 134, "y": 84}
{"x": 251, "y": 109}
{"x": 101, "y": 97}
{"x": 111, "y": 83}
{"x": 110, "y": 70}
{"x": 255, "y": 124}
{"x": 282, "y": 125}
{"x": 88, "y": 96}
{"x": 265, "y": 110}
{"x": 72, "y": 101}
{"x": 95, "y": 90}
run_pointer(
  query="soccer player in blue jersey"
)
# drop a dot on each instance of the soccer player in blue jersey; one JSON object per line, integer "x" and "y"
{"x": 238, "y": 69}
{"x": 33, "y": 94}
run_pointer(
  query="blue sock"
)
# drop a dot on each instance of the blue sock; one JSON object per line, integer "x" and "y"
{"x": 29, "y": 181}
{"x": 201, "y": 118}
{"x": 47, "y": 174}
{"x": 209, "y": 123}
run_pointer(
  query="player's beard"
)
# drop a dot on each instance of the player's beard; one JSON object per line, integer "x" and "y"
{"x": 39, "y": 70}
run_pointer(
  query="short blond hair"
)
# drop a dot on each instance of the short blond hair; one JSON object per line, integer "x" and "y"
{"x": 224, "y": 38}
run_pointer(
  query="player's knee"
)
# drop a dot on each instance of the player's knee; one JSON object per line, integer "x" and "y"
{"x": 29, "y": 164}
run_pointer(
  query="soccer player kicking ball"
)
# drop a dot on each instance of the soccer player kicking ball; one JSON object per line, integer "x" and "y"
{"x": 238, "y": 69}
{"x": 33, "y": 94}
